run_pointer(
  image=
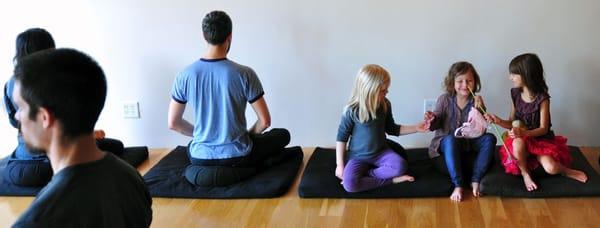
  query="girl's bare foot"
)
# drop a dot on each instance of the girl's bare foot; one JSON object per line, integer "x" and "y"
{"x": 475, "y": 187}
{"x": 576, "y": 175}
{"x": 529, "y": 184}
{"x": 403, "y": 178}
{"x": 457, "y": 194}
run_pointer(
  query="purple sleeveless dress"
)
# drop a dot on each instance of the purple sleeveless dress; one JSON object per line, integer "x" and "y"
{"x": 548, "y": 144}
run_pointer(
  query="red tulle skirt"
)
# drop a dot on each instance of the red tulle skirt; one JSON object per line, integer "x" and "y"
{"x": 555, "y": 148}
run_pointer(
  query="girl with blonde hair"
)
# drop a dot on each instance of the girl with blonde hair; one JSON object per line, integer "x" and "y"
{"x": 364, "y": 124}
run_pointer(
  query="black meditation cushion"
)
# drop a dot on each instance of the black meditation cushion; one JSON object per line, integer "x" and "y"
{"x": 132, "y": 155}
{"x": 497, "y": 182}
{"x": 319, "y": 180}
{"x": 166, "y": 179}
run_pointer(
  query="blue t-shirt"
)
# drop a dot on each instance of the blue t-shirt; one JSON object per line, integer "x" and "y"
{"x": 368, "y": 139}
{"x": 218, "y": 90}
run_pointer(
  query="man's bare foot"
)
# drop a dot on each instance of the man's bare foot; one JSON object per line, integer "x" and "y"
{"x": 457, "y": 194}
{"x": 475, "y": 187}
{"x": 403, "y": 178}
{"x": 576, "y": 175}
{"x": 529, "y": 184}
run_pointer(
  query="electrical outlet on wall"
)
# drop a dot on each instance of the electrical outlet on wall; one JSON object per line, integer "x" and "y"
{"x": 428, "y": 105}
{"x": 131, "y": 110}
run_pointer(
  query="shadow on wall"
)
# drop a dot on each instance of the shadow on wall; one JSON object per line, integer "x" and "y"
{"x": 149, "y": 85}
{"x": 154, "y": 102}
{"x": 576, "y": 117}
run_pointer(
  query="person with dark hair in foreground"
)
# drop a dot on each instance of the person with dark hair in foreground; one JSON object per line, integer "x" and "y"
{"x": 223, "y": 151}
{"x": 60, "y": 94}
{"x": 27, "y": 168}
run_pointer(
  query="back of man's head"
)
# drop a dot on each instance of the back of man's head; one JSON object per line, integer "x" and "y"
{"x": 216, "y": 27}
{"x": 66, "y": 82}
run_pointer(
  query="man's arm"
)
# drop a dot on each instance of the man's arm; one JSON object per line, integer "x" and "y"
{"x": 176, "y": 121}
{"x": 263, "y": 117}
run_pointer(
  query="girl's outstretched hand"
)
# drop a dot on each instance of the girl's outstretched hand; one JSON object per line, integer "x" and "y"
{"x": 423, "y": 126}
{"x": 339, "y": 171}
{"x": 428, "y": 118}
{"x": 491, "y": 118}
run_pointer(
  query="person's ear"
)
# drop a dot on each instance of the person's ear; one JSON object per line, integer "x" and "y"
{"x": 47, "y": 117}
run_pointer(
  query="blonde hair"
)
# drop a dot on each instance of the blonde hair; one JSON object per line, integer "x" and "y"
{"x": 370, "y": 80}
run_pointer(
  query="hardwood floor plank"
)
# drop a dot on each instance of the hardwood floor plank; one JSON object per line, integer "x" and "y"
{"x": 470, "y": 213}
{"x": 493, "y": 212}
{"x": 423, "y": 213}
{"x": 355, "y": 213}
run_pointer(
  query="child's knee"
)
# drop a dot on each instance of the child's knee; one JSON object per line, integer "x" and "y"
{"x": 489, "y": 139}
{"x": 518, "y": 144}
{"x": 551, "y": 167}
{"x": 350, "y": 185}
{"x": 449, "y": 139}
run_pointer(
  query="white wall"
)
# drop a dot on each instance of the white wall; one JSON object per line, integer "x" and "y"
{"x": 306, "y": 54}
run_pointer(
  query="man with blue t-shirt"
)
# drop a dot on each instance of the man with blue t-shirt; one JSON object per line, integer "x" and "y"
{"x": 218, "y": 90}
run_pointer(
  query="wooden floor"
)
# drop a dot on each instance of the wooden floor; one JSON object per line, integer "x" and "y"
{"x": 292, "y": 211}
